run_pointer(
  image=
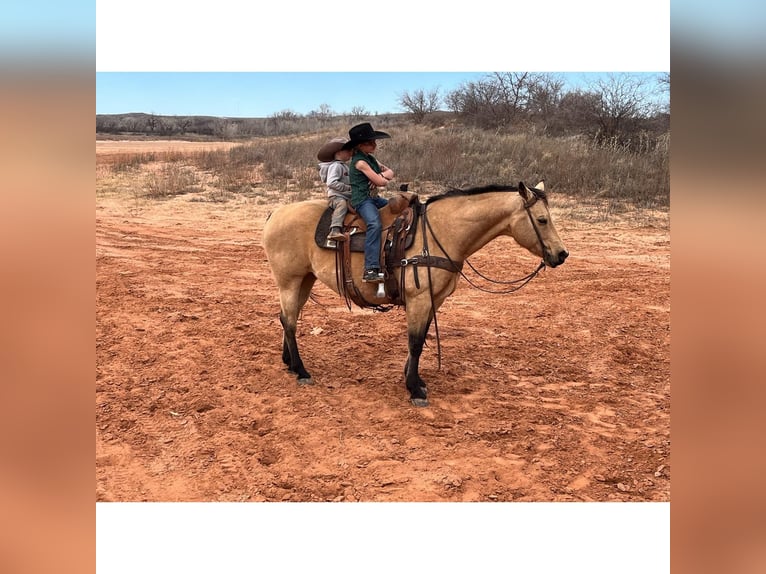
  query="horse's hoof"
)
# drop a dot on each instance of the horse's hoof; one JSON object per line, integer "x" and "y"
{"x": 308, "y": 381}
{"x": 419, "y": 402}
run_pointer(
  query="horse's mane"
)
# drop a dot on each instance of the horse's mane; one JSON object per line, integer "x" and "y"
{"x": 457, "y": 192}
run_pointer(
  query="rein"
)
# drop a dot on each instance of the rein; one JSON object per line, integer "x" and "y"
{"x": 458, "y": 267}
{"x": 424, "y": 222}
{"x": 524, "y": 280}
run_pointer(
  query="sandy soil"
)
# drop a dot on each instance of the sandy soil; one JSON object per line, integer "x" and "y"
{"x": 109, "y": 147}
{"x": 558, "y": 392}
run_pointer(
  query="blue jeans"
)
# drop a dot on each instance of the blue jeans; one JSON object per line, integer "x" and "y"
{"x": 368, "y": 210}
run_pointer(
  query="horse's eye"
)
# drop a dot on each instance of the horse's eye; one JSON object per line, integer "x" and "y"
{"x": 542, "y": 220}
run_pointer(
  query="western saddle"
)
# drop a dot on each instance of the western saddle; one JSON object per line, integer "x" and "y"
{"x": 399, "y": 219}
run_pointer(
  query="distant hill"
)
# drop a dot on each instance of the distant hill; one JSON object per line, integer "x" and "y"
{"x": 140, "y": 125}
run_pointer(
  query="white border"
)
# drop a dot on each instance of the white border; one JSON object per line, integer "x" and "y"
{"x": 396, "y": 35}
{"x": 593, "y": 538}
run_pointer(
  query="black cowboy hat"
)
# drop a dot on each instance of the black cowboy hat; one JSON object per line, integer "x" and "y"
{"x": 327, "y": 151}
{"x": 363, "y": 133}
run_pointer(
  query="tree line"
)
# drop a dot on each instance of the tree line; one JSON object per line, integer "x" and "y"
{"x": 152, "y": 125}
{"x": 618, "y": 109}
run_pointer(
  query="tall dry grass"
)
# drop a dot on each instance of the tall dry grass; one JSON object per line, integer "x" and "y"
{"x": 171, "y": 179}
{"x": 428, "y": 158}
{"x": 574, "y": 165}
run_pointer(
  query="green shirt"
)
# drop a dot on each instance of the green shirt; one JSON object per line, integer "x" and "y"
{"x": 360, "y": 185}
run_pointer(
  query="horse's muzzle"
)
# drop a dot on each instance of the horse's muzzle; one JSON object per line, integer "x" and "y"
{"x": 557, "y": 259}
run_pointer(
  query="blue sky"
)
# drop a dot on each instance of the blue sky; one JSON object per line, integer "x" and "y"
{"x": 262, "y": 94}
{"x": 252, "y": 94}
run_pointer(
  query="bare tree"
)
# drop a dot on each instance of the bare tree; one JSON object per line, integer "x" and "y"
{"x": 664, "y": 84}
{"x": 106, "y": 124}
{"x": 359, "y": 112}
{"x": 513, "y": 88}
{"x": 545, "y": 94}
{"x": 477, "y": 102}
{"x": 323, "y": 113}
{"x": 166, "y": 126}
{"x": 225, "y": 128}
{"x": 420, "y": 103}
{"x": 285, "y": 115}
{"x": 151, "y": 122}
{"x": 283, "y": 122}
{"x": 576, "y": 113}
{"x": 623, "y": 100}
{"x": 505, "y": 98}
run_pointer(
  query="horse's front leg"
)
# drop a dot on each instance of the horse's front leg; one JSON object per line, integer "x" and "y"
{"x": 416, "y": 337}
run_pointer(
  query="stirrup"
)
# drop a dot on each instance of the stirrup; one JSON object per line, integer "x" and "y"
{"x": 372, "y": 276}
{"x": 336, "y": 235}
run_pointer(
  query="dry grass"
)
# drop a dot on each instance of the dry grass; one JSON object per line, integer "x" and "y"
{"x": 601, "y": 183}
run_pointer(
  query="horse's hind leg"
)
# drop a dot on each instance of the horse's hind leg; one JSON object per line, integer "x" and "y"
{"x": 292, "y": 299}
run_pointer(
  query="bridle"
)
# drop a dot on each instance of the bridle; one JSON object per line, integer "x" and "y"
{"x": 527, "y": 206}
{"x": 518, "y": 283}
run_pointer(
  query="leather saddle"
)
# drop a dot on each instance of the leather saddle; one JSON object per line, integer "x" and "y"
{"x": 398, "y": 218}
{"x": 354, "y": 226}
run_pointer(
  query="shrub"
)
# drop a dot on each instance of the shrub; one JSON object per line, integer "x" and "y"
{"x": 169, "y": 180}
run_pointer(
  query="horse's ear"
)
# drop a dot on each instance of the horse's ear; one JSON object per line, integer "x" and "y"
{"x": 524, "y": 191}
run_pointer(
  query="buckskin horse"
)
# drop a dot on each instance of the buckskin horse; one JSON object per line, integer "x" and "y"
{"x": 450, "y": 227}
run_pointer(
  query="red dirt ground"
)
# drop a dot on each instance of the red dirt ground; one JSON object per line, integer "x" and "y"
{"x": 558, "y": 392}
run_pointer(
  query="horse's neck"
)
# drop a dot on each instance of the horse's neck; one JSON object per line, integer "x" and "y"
{"x": 463, "y": 225}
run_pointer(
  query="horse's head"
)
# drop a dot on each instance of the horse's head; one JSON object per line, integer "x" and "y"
{"x": 534, "y": 228}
